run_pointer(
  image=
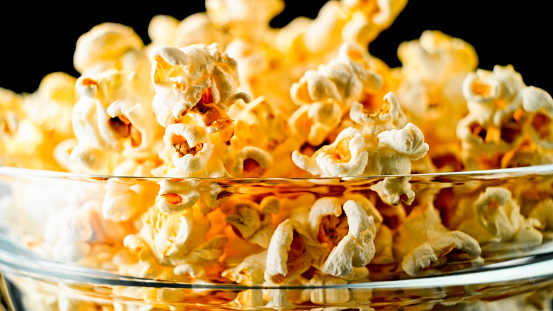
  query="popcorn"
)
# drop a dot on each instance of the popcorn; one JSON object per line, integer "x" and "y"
{"x": 104, "y": 43}
{"x": 422, "y": 242}
{"x": 176, "y": 196}
{"x": 222, "y": 95}
{"x": 189, "y": 146}
{"x": 244, "y": 18}
{"x": 209, "y": 87}
{"x": 348, "y": 235}
{"x": 291, "y": 252}
{"x": 251, "y": 162}
{"x": 344, "y": 157}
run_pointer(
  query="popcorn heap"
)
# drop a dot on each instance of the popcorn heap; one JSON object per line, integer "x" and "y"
{"x": 222, "y": 95}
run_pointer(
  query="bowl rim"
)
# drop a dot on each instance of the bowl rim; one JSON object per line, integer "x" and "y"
{"x": 491, "y": 173}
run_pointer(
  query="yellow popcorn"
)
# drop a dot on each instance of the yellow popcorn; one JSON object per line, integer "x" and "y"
{"x": 104, "y": 44}
{"x": 422, "y": 242}
{"x": 206, "y": 91}
{"x": 221, "y": 95}
{"x": 543, "y": 212}
{"x": 346, "y": 156}
{"x": 500, "y": 215}
{"x": 291, "y": 252}
{"x": 177, "y": 195}
{"x": 188, "y": 145}
{"x": 244, "y": 18}
{"x": 53, "y": 101}
{"x": 112, "y": 118}
{"x": 539, "y": 104}
{"x": 20, "y": 139}
{"x": 348, "y": 235}
{"x": 174, "y": 238}
{"x": 430, "y": 90}
{"x": 251, "y": 162}
{"x": 372, "y": 123}
{"x": 252, "y": 221}
{"x": 124, "y": 198}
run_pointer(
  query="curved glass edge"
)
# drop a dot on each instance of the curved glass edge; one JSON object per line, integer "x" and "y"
{"x": 532, "y": 267}
{"x": 495, "y": 173}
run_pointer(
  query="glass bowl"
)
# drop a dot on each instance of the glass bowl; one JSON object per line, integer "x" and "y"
{"x": 80, "y": 242}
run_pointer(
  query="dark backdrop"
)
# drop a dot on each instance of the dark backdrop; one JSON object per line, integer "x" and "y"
{"x": 38, "y": 39}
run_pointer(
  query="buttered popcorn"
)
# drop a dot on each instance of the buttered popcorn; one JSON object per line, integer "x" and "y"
{"x": 222, "y": 118}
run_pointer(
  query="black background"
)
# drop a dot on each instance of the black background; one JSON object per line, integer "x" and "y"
{"x": 39, "y": 39}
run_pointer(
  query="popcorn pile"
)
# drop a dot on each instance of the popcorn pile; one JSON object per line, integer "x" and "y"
{"x": 223, "y": 95}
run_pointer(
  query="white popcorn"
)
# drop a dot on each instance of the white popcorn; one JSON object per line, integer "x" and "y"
{"x": 316, "y": 121}
{"x": 190, "y": 76}
{"x": 500, "y": 214}
{"x": 386, "y": 118}
{"x": 250, "y": 271}
{"x": 173, "y": 237}
{"x": 346, "y": 156}
{"x": 198, "y": 28}
{"x": 540, "y": 104}
{"x": 251, "y": 162}
{"x": 312, "y": 87}
{"x": 189, "y": 146}
{"x": 433, "y": 251}
{"x": 543, "y": 212}
{"x": 104, "y": 43}
{"x": 407, "y": 142}
{"x": 356, "y": 248}
{"x": 177, "y": 195}
{"x": 244, "y": 18}
{"x": 291, "y": 252}
{"x": 134, "y": 126}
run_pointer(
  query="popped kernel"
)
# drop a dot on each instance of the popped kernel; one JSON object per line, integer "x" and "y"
{"x": 346, "y": 156}
{"x": 104, "y": 43}
{"x": 188, "y": 146}
{"x": 291, "y": 252}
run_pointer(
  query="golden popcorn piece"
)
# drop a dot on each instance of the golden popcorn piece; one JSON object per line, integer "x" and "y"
{"x": 436, "y": 56}
{"x": 388, "y": 117}
{"x": 250, "y": 220}
{"x": 500, "y": 214}
{"x": 346, "y": 156}
{"x": 291, "y": 252}
{"x": 259, "y": 124}
{"x": 379, "y": 14}
{"x": 196, "y": 76}
{"x": 397, "y": 149}
{"x": 431, "y": 84}
{"x": 348, "y": 235}
{"x": 251, "y": 162}
{"x": 110, "y": 117}
{"x": 20, "y": 138}
{"x": 423, "y": 243}
{"x": 53, "y": 101}
{"x": 496, "y": 123}
{"x": 247, "y": 19}
{"x": 455, "y": 246}
{"x": 104, "y": 43}
{"x": 188, "y": 146}
{"x": 177, "y": 195}
{"x": 543, "y": 212}
{"x": 125, "y": 198}
{"x": 539, "y": 104}
{"x": 316, "y": 121}
{"x": 174, "y": 238}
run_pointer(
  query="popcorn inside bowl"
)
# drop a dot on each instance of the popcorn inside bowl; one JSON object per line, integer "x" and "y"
{"x": 230, "y": 152}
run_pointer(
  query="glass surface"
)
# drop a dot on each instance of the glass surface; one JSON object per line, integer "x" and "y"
{"x": 42, "y": 271}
